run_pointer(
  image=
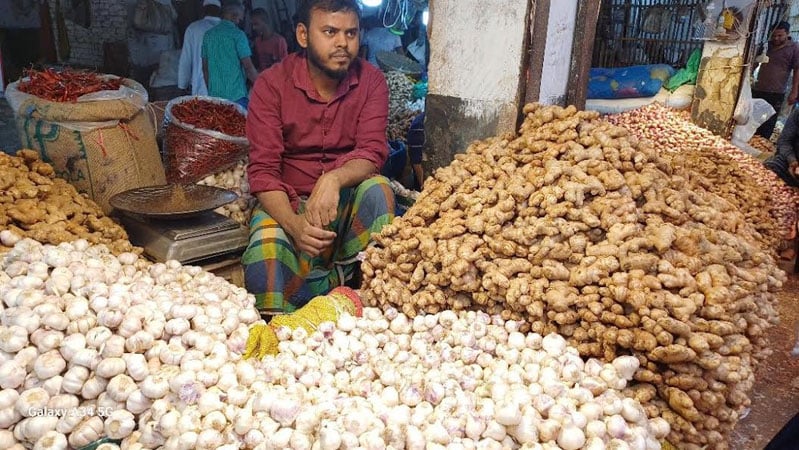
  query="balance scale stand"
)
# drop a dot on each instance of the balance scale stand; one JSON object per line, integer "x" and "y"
{"x": 188, "y": 240}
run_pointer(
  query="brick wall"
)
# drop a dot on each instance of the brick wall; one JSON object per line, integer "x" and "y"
{"x": 109, "y": 23}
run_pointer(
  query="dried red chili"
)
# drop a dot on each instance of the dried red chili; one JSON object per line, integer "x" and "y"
{"x": 210, "y": 116}
{"x": 65, "y": 85}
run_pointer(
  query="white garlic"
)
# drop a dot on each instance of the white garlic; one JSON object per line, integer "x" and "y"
{"x": 13, "y": 338}
{"x": 12, "y": 375}
{"x": 120, "y": 387}
{"x": 119, "y": 424}
{"x": 31, "y": 402}
{"x": 88, "y": 430}
{"x": 49, "y": 365}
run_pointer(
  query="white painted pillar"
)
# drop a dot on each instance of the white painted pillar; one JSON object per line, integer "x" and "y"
{"x": 475, "y": 72}
{"x": 477, "y": 49}
{"x": 558, "y": 53}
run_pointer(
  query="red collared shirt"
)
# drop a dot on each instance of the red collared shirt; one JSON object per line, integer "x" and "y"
{"x": 295, "y": 136}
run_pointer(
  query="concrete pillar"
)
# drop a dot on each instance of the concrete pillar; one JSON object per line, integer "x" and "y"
{"x": 558, "y": 53}
{"x": 475, "y": 73}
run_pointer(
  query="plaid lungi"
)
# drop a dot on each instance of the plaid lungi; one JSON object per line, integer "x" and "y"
{"x": 273, "y": 267}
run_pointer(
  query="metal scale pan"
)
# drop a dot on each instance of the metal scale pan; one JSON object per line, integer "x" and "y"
{"x": 178, "y": 222}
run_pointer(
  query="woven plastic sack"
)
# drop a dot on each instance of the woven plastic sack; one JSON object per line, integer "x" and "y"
{"x": 194, "y": 153}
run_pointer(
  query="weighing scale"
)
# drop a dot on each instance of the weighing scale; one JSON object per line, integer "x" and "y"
{"x": 178, "y": 222}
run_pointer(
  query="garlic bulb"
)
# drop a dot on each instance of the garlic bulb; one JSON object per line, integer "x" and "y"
{"x": 49, "y": 365}
{"x": 31, "y": 402}
{"x": 13, "y": 338}
{"x": 89, "y": 430}
{"x": 119, "y": 424}
{"x": 12, "y": 375}
{"x": 74, "y": 379}
{"x": 120, "y": 387}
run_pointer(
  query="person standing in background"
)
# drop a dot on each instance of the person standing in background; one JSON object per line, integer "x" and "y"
{"x": 227, "y": 62}
{"x": 772, "y": 81}
{"x": 269, "y": 47}
{"x": 190, "y": 68}
{"x": 380, "y": 39}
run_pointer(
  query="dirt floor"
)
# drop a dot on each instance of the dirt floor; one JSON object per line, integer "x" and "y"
{"x": 775, "y": 397}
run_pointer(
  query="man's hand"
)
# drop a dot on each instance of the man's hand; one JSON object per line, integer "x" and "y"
{"x": 792, "y": 97}
{"x": 793, "y": 169}
{"x": 321, "y": 208}
{"x": 310, "y": 239}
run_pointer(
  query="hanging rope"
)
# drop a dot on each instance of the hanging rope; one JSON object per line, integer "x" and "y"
{"x": 395, "y": 14}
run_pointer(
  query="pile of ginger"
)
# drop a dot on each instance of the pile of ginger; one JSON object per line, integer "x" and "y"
{"x": 718, "y": 166}
{"x": 34, "y": 203}
{"x": 575, "y": 227}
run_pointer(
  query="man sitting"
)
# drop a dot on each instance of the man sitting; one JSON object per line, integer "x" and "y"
{"x": 317, "y": 130}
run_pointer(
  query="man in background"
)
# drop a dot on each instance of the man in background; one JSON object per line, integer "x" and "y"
{"x": 772, "y": 81}
{"x": 227, "y": 62}
{"x": 190, "y": 68}
{"x": 380, "y": 39}
{"x": 268, "y": 47}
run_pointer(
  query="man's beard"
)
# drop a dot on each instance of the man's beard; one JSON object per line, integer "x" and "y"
{"x": 316, "y": 60}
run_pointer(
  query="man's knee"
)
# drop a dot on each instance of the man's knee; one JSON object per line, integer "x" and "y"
{"x": 377, "y": 191}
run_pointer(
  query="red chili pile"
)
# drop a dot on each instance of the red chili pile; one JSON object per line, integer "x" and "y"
{"x": 65, "y": 85}
{"x": 210, "y": 116}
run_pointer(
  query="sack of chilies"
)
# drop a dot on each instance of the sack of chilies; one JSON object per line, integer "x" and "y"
{"x": 204, "y": 135}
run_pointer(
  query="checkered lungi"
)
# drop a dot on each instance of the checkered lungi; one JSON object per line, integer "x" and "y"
{"x": 273, "y": 267}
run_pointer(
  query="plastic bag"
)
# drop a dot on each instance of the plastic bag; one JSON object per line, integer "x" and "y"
{"x": 760, "y": 111}
{"x": 152, "y": 16}
{"x": 193, "y": 153}
{"x": 686, "y": 75}
{"x": 167, "y": 72}
{"x": 743, "y": 110}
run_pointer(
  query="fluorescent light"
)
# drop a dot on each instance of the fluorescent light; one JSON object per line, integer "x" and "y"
{"x": 425, "y": 16}
{"x": 372, "y": 3}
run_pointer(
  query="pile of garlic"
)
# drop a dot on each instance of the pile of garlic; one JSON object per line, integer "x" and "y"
{"x": 384, "y": 381}
{"x": 234, "y": 179}
{"x": 90, "y": 341}
{"x": 577, "y": 228}
{"x": 720, "y": 167}
{"x": 95, "y": 345}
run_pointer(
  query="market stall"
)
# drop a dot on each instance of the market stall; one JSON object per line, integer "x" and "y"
{"x": 586, "y": 282}
{"x": 543, "y": 292}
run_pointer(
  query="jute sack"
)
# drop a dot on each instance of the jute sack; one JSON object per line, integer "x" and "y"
{"x": 103, "y": 144}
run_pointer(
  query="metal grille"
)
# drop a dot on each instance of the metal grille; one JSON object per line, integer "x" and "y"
{"x": 632, "y": 32}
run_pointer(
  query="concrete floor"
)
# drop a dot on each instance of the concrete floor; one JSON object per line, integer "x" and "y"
{"x": 775, "y": 398}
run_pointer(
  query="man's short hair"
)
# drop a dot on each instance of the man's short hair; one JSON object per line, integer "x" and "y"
{"x": 306, "y": 6}
{"x": 782, "y": 26}
{"x": 232, "y": 6}
{"x": 261, "y": 14}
